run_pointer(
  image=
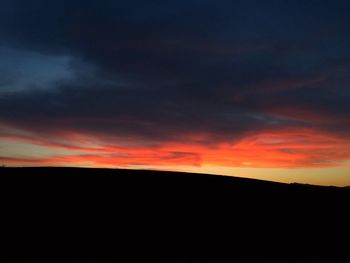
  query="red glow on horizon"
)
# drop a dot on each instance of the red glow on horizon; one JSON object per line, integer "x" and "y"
{"x": 279, "y": 149}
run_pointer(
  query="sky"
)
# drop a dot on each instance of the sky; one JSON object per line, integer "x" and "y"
{"x": 248, "y": 88}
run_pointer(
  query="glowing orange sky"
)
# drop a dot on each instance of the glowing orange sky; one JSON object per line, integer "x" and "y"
{"x": 288, "y": 150}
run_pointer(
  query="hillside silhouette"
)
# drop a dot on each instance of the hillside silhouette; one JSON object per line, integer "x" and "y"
{"x": 114, "y": 215}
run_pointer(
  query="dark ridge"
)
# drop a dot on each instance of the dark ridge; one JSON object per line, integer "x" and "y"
{"x": 149, "y": 172}
{"x": 112, "y": 215}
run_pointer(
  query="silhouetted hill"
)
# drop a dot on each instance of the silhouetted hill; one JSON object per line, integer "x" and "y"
{"x": 112, "y": 215}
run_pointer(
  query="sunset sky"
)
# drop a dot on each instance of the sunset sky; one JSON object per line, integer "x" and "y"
{"x": 257, "y": 89}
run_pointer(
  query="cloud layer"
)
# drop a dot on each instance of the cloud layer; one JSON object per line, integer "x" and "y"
{"x": 192, "y": 77}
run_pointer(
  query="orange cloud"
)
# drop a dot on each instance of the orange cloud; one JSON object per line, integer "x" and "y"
{"x": 269, "y": 149}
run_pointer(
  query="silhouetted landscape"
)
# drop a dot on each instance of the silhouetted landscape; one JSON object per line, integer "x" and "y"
{"x": 113, "y": 215}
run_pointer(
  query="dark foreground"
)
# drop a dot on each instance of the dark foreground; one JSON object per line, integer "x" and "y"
{"x": 101, "y": 215}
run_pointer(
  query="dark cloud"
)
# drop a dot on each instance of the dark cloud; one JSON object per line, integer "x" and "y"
{"x": 160, "y": 70}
